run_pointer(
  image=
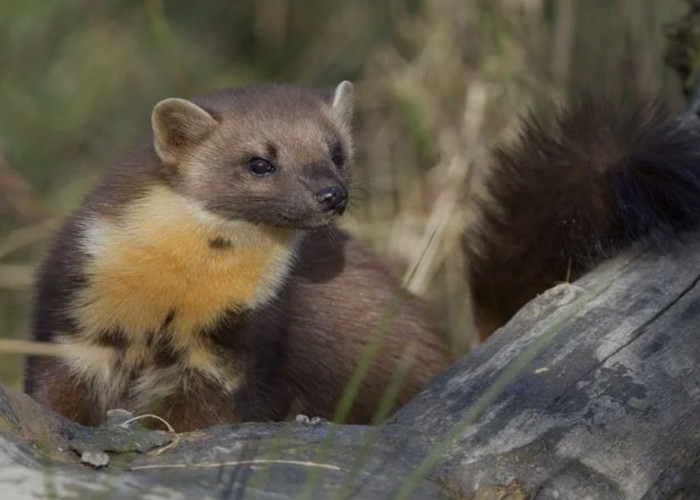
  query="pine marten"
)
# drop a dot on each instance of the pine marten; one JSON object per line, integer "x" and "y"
{"x": 204, "y": 279}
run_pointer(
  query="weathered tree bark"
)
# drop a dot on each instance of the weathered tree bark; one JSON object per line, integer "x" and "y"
{"x": 591, "y": 391}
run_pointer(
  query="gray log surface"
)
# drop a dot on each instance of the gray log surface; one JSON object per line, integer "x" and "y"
{"x": 591, "y": 391}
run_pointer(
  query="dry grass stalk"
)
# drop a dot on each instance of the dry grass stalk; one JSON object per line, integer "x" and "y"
{"x": 16, "y": 276}
{"x": 31, "y": 348}
{"x": 18, "y": 196}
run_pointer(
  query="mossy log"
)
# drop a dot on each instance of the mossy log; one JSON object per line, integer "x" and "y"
{"x": 591, "y": 391}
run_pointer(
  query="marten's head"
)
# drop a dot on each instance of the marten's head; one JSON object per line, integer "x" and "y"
{"x": 274, "y": 155}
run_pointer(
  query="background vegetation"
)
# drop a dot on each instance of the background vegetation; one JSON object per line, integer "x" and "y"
{"x": 438, "y": 82}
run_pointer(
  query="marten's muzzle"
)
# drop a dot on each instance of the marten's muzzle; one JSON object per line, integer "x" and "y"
{"x": 333, "y": 198}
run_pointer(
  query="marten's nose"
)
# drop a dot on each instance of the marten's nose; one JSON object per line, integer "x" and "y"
{"x": 333, "y": 198}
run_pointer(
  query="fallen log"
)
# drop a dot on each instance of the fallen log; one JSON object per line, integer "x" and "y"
{"x": 591, "y": 391}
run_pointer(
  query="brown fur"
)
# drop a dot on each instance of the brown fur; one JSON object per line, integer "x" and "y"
{"x": 574, "y": 192}
{"x": 332, "y": 264}
{"x": 189, "y": 286}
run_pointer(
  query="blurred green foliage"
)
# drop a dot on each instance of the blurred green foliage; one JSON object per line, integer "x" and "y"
{"x": 438, "y": 81}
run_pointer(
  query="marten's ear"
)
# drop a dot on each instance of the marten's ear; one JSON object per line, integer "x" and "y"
{"x": 343, "y": 101}
{"x": 178, "y": 125}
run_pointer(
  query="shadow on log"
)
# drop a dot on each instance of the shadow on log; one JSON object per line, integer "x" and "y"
{"x": 591, "y": 391}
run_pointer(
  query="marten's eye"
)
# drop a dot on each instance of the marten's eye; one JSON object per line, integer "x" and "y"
{"x": 261, "y": 167}
{"x": 337, "y": 156}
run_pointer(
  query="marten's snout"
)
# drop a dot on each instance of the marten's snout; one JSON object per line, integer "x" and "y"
{"x": 333, "y": 198}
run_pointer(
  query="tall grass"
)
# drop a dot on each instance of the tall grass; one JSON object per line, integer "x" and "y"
{"x": 438, "y": 81}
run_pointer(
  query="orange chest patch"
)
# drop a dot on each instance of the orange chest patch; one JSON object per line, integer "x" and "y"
{"x": 167, "y": 259}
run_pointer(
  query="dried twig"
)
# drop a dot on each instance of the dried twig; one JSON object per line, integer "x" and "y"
{"x": 171, "y": 430}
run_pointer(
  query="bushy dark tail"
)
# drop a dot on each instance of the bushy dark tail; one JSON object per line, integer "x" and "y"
{"x": 571, "y": 194}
